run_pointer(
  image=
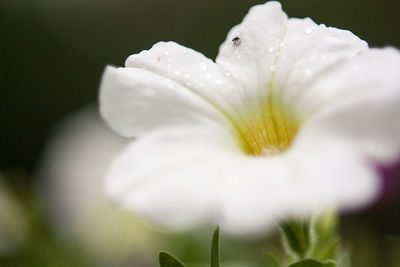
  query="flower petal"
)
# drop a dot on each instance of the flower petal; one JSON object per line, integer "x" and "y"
{"x": 360, "y": 101}
{"x": 186, "y": 178}
{"x": 260, "y": 33}
{"x": 309, "y": 52}
{"x": 315, "y": 175}
{"x": 283, "y": 56}
{"x": 135, "y": 101}
{"x": 174, "y": 176}
{"x": 193, "y": 71}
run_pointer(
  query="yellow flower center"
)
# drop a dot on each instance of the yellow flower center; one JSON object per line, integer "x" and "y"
{"x": 269, "y": 132}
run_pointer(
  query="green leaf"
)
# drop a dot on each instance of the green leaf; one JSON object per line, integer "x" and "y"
{"x": 167, "y": 260}
{"x": 326, "y": 249}
{"x": 271, "y": 260}
{"x": 215, "y": 249}
{"x": 297, "y": 236}
{"x": 326, "y": 225}
{"x": 327, "y": 241}
{"x": 313, "y": 263}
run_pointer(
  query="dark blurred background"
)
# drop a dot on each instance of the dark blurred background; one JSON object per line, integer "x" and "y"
{"x": 53, "y": 53}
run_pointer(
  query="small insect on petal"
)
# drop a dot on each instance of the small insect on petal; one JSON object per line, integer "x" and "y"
{"x": 236, "y": 41}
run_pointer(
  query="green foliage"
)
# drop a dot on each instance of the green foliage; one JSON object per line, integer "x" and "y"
{"x": 313, "y": 263}
{"x": 271, "y": 260}
{"x": 167, "y": 260}
{"x": 215, "y": 249}
{"x": 297, "y": 236}
{"x": 313, "y": 243}
{"x": 327, "y": 242}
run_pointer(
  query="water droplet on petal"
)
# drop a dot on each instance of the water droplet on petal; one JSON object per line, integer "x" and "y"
{"x": 227, "y": 74}
{"x": 208, "y": 76}
{"x": 177, "y": 73}
{"x": 308, "y": 30}
{"x": 166, "y": 53}
{"x": 217, "y": 82}
{"x": 271, "y": 49}
{"x": 238, "y": 55}
{"x": 282, "y": 44}
{"x": 308, "y": 72}
{"x": 203, "y": 67}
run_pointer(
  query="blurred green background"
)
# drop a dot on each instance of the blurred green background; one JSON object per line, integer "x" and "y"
{"x": 53, "y": 53}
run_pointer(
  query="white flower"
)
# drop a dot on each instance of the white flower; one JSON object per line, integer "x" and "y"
{"x": 288, "y": 119}
{"x": 71, "y": 184}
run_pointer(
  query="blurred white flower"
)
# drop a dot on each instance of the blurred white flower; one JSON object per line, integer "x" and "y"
{"x": 287, "y": 120}
{"x": 72, "y": 185}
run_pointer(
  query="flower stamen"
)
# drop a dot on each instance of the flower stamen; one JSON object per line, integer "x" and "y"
{"x": 269, "y": 132}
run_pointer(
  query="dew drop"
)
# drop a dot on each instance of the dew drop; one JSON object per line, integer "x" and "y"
{"x": 238, "y": 55}
{"x": 217, "y": 82}
{"x": 271, "y": 49}
{"x": 308, "y": 72}
{"x": 227, "y": 74}
{"x": 282, "y": 44}
{"x": 203, "y": 67}
{"x": 177, "y": 73}
{"x": 308, "y": 30}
